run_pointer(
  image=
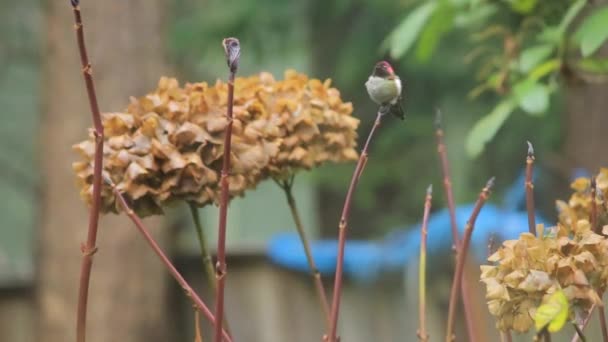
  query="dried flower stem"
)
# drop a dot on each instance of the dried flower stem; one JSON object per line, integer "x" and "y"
{"x": 462, "y": 254}
{"x": 593, "y": 216}
{"x": 198, "y": 337}
{"x": 602, "y": 317}
{"x": 206, "y": 260}
{"x": 583, "y": 325}
{"x": 422, "y": 334}
{"x": 89, "y": 248}
{"x": 595, "y": 227}
{"x": 287, "y": 186}
{"x": 200, "y": 305}
{"x": 233, "y": 51}
{"x": 343, "y": 226}
{"x": 579, "y": 333}
{"x": 445, "y": 170}
{"x": 530, "y": 189}
{"x": 449, "y": 195}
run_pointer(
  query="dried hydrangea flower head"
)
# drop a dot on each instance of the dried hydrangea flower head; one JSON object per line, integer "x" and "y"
{"x": 167, "y": 146}
{"x": 524, "y": 271}
{"x": 579, "y": 205}
{"x": 314, "y": 125}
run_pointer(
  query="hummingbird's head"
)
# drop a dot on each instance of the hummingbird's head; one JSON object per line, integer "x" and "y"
{"x": 383, "y": 69}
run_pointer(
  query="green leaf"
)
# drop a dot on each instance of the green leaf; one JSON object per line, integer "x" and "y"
{"x": 552, "y": 314}
{"x": 532, "y": 97}
{"x": 593, "y": 32}
{"x": 404, "y": 35}
{"x": 474, "y": 15}
{"x": 593, "y": 65}
{"x": 485, "y": 129}
{"x": 545, "y": 69}
{"x": 440, "y": 22}
{"x": 572, "y": 12}
{"x": 523, "y": 6}
{"x": 531, "y": 57}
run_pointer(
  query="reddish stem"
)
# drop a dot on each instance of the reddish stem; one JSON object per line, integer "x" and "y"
{"x": 593, "y": 216}
{"x": 343, "y": 226}
{"x": 200, "y": 305}
{"x": 580, "y": 328}
{"x": 422, "y": 334}
{"x": 445, "y": 170}
{"x": 462, "y": 254}
{"x": 287, "y": 187}
{"x": 232, "y": 50}
{"x": 449, "y": 195}
{"x": 602, "y": 317}
{"x": 530, "y": 190}
{"x": 89, "y": 248}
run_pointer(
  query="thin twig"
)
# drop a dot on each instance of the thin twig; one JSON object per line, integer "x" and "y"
{"x": 584, "y": 324}
{"x": 449, "y": 195}
{"x": 422, "y": 333}
{"x": 579, "y": 332}
{"x": 232, "y": 49}
{"x": 287, "y": 186}
{"x": 530, "y": 189}
{"x": 89, "y": 248}
{"x": 445, "y": 170}
{"x": 200, "y": 305}
{"x": 505, "y": 336}
{"x": 206, "y": 260}
{"x": 595, "y": 227}
{"x": 462, "y": 254}
{"x": 593, "y": 215}
{"x": 198, "y": 337}
{"x": 602, "y": 317}
{"x": 343, "y": 226}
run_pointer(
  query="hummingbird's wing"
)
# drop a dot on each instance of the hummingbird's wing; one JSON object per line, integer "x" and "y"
{"x": 397, "y": 110}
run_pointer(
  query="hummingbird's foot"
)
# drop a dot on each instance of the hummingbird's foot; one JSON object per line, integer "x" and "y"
{"x": 384, "y": 109}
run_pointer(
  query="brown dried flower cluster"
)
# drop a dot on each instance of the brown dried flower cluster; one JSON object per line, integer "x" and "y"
{"x": 168, "y": 145}
{"x": 579, "y": 205}
{"x": 524, "y": 271}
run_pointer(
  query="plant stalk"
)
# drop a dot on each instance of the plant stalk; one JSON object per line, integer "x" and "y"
{"x": 89, "y": 248}
{"x": 583, "y": 325}
{"x": 462, "y": 254}
{"x": 232, "y": 50}
{"x": 449, "y": 195}
{"x": 198, "y": 336}
{"x": 530, "y": 190}
{"x": 422, "y": 333}
{"x": 342, "y": 228}
{"x": 200, "y": 305}
{"x": 602, "y": 317}
{"x": 593, "y": 216}
{"x": 287, "y": 187}
{"x": 206, "y": 260}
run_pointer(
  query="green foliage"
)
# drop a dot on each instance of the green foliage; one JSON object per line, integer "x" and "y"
{"x": 485, "y": 129}
{"x": 404, "y": 36}
{"x": 553, "y": 313}
{"x": 593, "y": 32}
{"x": 519, "y": 48}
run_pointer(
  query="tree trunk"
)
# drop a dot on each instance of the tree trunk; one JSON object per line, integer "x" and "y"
{"x": 127, "y": 292}
{"x": 586, "y": 120}
{"x": 586, "y": 126}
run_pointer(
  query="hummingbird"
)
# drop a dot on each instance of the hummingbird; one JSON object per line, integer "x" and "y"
{"x": 384, "y": 88}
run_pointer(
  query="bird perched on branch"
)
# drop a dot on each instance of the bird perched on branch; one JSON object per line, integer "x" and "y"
{"x": 384, "y": 88}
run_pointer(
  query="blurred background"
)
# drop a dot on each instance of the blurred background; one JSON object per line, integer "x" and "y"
{"x": 453, "y": 55}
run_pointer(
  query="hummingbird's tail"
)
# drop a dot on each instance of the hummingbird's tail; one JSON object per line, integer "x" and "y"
{"x": 397, "y": 110}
